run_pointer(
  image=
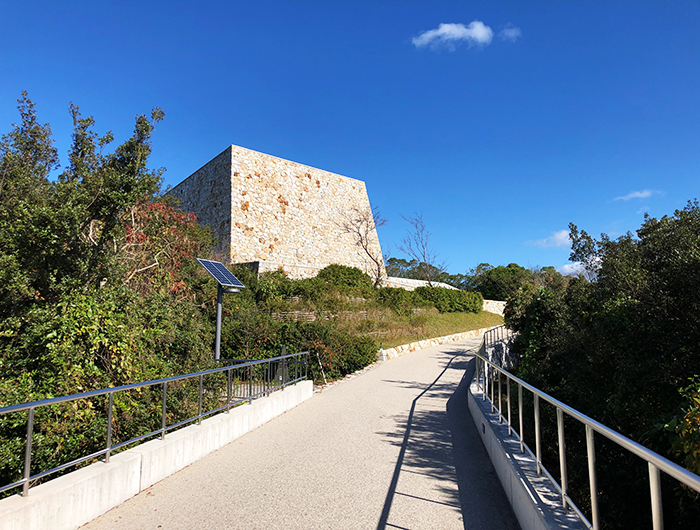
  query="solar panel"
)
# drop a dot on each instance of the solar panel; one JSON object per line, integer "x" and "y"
{"x": 220, "y": 273}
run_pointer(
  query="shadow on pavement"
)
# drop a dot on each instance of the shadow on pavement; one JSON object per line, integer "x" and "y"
{"x": 445, "y": 446}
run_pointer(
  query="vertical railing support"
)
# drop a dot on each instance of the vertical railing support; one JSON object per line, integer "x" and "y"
{"x": 250, "y": 385}
{"x": 538, "y": 447}
{"x": 165, "y": 404}
{"x": 657, "y": 512}
{"x": 201, "y": 387}
{"x": 500, "y": 400}
{"x": 520, "y": 414}
{"x": 228, "y": 390}
{"x": 28, "y": 453}
{"x": 510, "y": 429}
{"x": 593, "y": 483}
{"x": 110, "y": 405}
{"x": 562, "y": 456}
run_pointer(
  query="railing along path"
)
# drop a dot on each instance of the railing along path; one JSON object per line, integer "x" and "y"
{"x": 489, "y": 375}
{"x": 245, "y": 380}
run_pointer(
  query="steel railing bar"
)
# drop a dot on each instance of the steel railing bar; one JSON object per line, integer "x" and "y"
{"x": 657, "y": 512}
{"x": 28, "y": 453}
{"x": 562, "y": 456}
{"x": 592, "y": 482}
{"x": 101, "y": 392}
{"x": 110, "y": 406}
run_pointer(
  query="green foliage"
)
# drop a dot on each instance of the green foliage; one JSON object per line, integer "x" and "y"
{"x": 619, "y": 345}
{"x": 451, "y": 300}
{"x": 401, "y": 301}
{"x": 98, "y": 285}
{"x": 344, "y": 276}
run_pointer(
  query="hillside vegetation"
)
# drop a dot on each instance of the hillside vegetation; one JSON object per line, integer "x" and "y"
{"x": 621, "y": 344}
{"x": 99, "y": 288}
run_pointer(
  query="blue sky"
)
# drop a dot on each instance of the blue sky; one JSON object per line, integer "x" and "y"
{"x": 500, "y": 121}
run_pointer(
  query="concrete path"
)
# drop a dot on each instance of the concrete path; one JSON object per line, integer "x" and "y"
{"x": 394, "y": 447}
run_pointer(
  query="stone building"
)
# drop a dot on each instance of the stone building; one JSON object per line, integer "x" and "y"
{"x": 275, "y": 213}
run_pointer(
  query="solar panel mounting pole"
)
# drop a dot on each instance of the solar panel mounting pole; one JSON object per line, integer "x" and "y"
{"x": 223, "y": 278}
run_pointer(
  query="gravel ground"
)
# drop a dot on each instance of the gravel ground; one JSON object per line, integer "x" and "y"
{"x": 391, "y": 447}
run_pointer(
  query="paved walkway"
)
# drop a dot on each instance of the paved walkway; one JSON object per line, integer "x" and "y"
{"x": 393, "y": 448}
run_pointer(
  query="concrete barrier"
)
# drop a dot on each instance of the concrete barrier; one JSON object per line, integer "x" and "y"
{"x": 72, "y": 500}
{"x": 536, "y": 503}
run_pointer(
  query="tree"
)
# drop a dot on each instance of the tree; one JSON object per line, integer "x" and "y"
{"x": 416, "y": 245}
{"x": 620, "y": 344}
{"x": 361, "y": 225}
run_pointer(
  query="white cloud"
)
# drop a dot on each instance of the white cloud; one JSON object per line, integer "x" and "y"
{"x": 572, "y": 269}
{"x": 557, "y": 239}
{"x": 510, "y": 32}
{"x": 448, "y": 35}
{"x": 642, "y": 194}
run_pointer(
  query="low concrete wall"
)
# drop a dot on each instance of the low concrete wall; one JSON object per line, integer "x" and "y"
{"x": 536, "y": 503}
{"x": 72, "y": 500}
{"x": 391, "y": 353}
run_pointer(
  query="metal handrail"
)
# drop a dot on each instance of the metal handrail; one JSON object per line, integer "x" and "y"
{"x": 485, "y": 375}
{"x": 264, "y": 387}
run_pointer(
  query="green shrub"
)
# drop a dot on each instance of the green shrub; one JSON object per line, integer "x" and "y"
{"x": 452, "y": 300}
{"x": 344, "y": 276}
{"x": 399, "y": 300}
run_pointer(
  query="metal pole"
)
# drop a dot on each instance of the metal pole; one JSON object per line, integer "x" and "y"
{"x": 250, "y": 385}
{"x": 520, "y": 412}
{"x": 201, "y": 384}
{"x": 109, "y": 427}
{"x": 500, "y": 400}
{"x": 165, "y": 401}
{"x": 538, "y": 448}
{"x": 28, "y": 453}
{"x": 219, "y": 303}
{"x": 562, "y": 455}
{"x": 657, "y": 512}
{"x": 510, "y": 431}
{"x": 228, "y": 391}
{"x": 590, "y": 447}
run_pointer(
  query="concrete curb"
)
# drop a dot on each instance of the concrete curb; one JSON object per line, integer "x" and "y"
{"x": 536, "y": 503}
{"x": 72, "y": 500}
{"x": 392, "y": 353}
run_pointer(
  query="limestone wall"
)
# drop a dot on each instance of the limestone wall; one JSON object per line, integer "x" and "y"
{"x": 276, "y": 212}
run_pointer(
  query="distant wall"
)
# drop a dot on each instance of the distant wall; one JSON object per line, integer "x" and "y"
{"x": 410, "y": 284}
{"x": 494, "y": 306}
{"x": 278, "y": 213}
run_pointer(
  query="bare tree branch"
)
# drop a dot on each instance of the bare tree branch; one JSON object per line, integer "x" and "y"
{"x": 416, "y": 245}
{"x": 361, "y": 225}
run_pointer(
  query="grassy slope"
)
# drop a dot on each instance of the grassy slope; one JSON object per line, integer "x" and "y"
{"x": 392, "y": 330}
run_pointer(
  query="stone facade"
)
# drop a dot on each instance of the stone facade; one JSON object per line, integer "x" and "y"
{"x": 276, "y": 213}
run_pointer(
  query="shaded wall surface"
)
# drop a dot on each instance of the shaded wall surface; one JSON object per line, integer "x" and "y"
{"x": 276, "y": 212}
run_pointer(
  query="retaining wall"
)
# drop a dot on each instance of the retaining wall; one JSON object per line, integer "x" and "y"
{"x": 391, "y": 353}
{"x": 536, "y": 503}
{"x": 72, "y": 500}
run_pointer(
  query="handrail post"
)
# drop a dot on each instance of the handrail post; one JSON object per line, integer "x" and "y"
{"x": 109, "y": 427}
{"x": 500, "y": 400}
{"x": 538, "y": 447}
{"x": 657, "y": 512}
{"x": 250, "y": 384}
{"x": 201, "y": 384}
{"x": 520, "y": 413}
{"x": 590, "y": 448}
{"x": 562, "y": 456}
{"x": 510, "y": 430}
{"x": 165, "y": 404}
{"x": 28, "y": 453}
{"x": 228, "y": 390}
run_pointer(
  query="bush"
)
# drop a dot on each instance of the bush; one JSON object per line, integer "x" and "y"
{"x": 399, "y": 300}
{"x": 452, "y": 300}
{"x": 343, "y": 276}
